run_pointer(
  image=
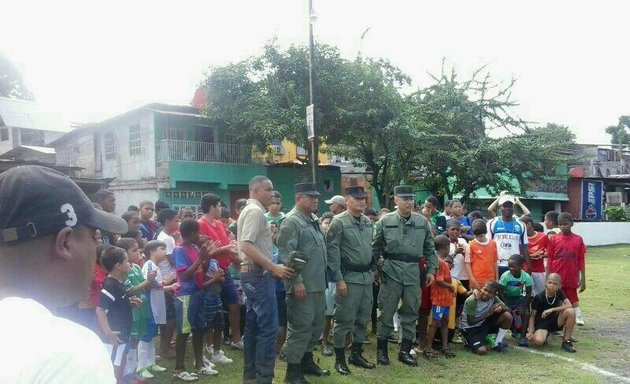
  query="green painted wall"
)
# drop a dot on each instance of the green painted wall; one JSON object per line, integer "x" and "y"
{"x": 222, "y": 174}
{"x": 285, "y": 176}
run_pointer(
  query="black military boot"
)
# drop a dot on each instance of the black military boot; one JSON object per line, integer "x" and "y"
{"x": 404, "y": 356}
{"x": 382, "y": 357}
{"x": 310, "y": 368}
{"x": 340, "y": 362}
{"x": 356, "y": 357}
{"x": 294, "y": 375}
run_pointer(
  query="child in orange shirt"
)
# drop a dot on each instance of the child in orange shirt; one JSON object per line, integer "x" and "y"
{"x": 483, "y": 258}
{"x": 441, "y": 300}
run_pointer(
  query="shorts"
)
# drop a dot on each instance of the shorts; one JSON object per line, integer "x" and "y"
{"x": 549, "y": 323}
{"x": 116, "y": 353}
{"x": 438, "y": 312}
{"x": 169, "y": 298}
{"x": 425, "y": 303}
{"x": 475, "y": 337}
{"x": 281, "y": 298}
{"x": 330, "y": 299}
{"x": 514, "y": 302}
{"x": 229, "y": 294}
{"x": 214, "y": 311}
{"x": 571, "y": 294}
{"x": 192, "y": 306}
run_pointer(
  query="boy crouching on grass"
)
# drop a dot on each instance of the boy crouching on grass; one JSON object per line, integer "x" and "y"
{"x": 485, "y": 313}
{"x": 551, "y": 311}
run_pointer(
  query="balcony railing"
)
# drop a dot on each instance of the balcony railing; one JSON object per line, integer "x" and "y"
{"x": 203, "y": 152}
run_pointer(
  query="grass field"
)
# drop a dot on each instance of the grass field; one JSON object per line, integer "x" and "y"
{"x": 603, "y": 342}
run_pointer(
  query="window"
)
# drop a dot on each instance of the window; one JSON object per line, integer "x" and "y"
{"x": 301, "y": 151}
{"x": 70, "y": 155}
{"x": 276, "y": 146}
{"x": 135, "y": 140}
{"x": 110, "y": 148}
{"x": 176, "y": 133}
{"x": 31, "y": 137}
{"x": 4, "y": 134}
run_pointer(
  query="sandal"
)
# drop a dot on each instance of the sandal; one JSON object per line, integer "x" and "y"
{"x": 430, "y": 354}
{"x": 448, "y": 353}
{"x": 185, "y": 376}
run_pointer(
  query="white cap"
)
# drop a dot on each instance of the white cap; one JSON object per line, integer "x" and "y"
{"x": 336, "y": 199}
{"x": 506, "y": 199}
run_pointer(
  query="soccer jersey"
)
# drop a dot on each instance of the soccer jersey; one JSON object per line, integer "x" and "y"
{"x": 166, "y": 267}
{"x": 483, "y": 258}
{"x": 565, "y": 256}
{"x": 115, "y": 303}
{"x": 158, "y": 301}
{"x": 510, "y": 237}
{"x": 459, "y": 265}
{"x": 441, "y": 296}
{"x": 537, "y": 244}
{"x": 216, "y": 232}
{"x": 475, "y": 307}
{"x": 541, "y": 302}
{"x": 184, "y": 257}
{"x": 515, "y": 286}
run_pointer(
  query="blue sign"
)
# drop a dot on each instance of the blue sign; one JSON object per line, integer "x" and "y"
{"x": 592, "y": 192}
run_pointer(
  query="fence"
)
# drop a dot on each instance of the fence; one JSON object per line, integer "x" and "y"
{"x": 203, "y": 152}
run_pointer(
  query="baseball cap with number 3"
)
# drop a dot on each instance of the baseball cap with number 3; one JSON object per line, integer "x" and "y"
{"x": 38, "y": 201}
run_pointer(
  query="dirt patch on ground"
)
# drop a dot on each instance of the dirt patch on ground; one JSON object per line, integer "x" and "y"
{"x": 615, "y": 356}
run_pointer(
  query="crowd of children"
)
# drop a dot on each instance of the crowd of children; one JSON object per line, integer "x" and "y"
{"x": 177, "y": 277}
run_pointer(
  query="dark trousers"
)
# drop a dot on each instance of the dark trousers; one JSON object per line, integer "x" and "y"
{"x": 261, "y": 328}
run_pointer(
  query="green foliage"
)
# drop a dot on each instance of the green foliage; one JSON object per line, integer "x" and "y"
{"x": 11, "y": 82}
{"x": 620, "y": 133}
{"x": 616, "y": 214}
{"x": 438, "y": 134}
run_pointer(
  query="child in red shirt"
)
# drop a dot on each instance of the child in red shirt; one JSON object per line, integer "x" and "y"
{"x": 537, "y": 247}
{"x": 441, "y": 300}
{"x": 565, "y": 253}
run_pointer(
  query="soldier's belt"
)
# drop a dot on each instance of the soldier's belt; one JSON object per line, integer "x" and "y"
{"x": 356, "y": 268}
{"x": 401, "y": 257}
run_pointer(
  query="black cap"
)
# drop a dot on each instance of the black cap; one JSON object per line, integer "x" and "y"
{"x": 37, "y": 201}
{"x": 307, "y": 189}
{"x": 404, "y": 191}
{"x": 356, "y": 192}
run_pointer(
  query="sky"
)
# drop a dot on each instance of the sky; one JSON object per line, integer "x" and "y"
{"x": 92, "y": 60}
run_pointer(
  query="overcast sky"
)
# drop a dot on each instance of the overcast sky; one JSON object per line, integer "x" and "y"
{"x": 90, "y": 62}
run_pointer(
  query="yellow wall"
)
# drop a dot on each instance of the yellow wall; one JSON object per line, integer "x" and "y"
{"x": 289, "y": 154}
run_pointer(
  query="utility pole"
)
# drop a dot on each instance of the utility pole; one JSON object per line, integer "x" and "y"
{"x": 310, "y": 110}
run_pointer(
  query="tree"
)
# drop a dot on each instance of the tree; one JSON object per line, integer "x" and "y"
{"x": 438, "y": 136}
{"x": 11, "y": 81}
{"x": 620, "y": 133}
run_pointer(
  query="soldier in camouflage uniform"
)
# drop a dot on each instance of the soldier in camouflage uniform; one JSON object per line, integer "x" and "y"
{"x": 402, "y": 237}
{"x": 349, "y": 244}
{"x": 306, "y": 302}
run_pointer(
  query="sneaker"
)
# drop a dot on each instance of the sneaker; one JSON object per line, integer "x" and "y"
{"x": 579, "y": 320}
{"x": 145, "y": 374}
{"x": 157, "y": 368}
{"x": 207, "y": 362}
{"x": 522, "y": 342}
{"x": 501, "y": 347}
{"x": 237, "y": 345}
{"x": 567, "y": 345}
{"x": 220, "y": 358}
{"x": 207, "y": 371}
{"x": 185, "y": 376}
{"x": 458, "y": 339}
{"x": 209, "y": 349}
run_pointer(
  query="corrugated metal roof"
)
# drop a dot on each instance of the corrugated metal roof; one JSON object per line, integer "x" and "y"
{"x": 28, "y": 114}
